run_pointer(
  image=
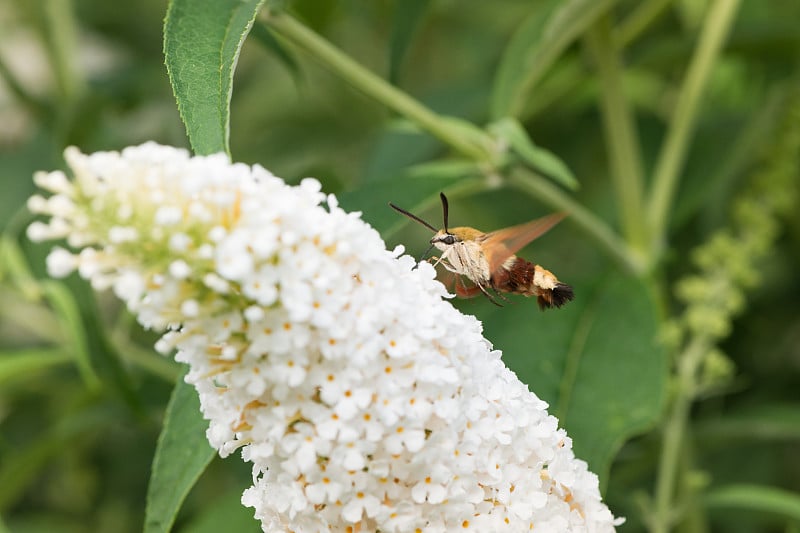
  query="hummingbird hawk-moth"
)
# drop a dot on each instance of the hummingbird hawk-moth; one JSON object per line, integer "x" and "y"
{"x": 488, "y": 260}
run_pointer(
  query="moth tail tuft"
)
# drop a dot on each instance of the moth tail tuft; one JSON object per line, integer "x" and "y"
{"x": 555, "y": 297}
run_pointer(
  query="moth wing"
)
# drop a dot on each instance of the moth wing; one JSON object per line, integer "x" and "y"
{"x": 501, "y": 244}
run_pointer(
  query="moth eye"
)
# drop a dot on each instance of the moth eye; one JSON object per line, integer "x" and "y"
{"x": 449, "y": 239}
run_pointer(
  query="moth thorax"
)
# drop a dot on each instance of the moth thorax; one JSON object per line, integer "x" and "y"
{"x": 465, "y": 233}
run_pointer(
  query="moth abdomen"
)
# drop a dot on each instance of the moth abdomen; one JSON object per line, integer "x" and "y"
{"x": 520, "y": 276}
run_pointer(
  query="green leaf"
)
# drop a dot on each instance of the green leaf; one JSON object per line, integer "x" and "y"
{"x": 408, "y": 15}
{"x": 596, "y": 361}
{"x": 418, "y": 190}
{"x": 14, "y": 264}
{"x": 23, "y": 466}
{"x": 535, "y": 46}
{"x": 202, "y": 41}
{"x": 265, "y": 37}
{"x": 756, "y": 498}
{"x": 539, "y": 159}
{"x": 69, "y": 316}
{"x": 401, "y": 145}
{"x": 761, "y": 422}
{"x": 26, "y": 363}
{"x": 226, "y": 513}
{"x": 182, "y": 454}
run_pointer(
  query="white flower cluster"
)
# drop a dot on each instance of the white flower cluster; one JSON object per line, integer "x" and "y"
{"x": 364, "y": 400}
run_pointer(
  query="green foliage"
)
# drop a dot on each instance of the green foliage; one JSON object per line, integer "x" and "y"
{"x": 602, "y": 373}
{"x": 695, "y": 103}
{"x": 202, "y": 41}
{"x": 728, "y": 264}
{"x": 762, "y": 499}
{"x": 537, "y": 44}
{"x": 182, "y": 454}
{"x": 510, "y": 131}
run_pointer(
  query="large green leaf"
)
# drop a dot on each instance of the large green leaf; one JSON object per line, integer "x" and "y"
{"x": 761, "y": 422}
{"x": 202, "y": 41}
{"x": 182, "y": 454}
{"x": 407, "y": 17}
{"x": 416, "y": 190}
{"x": 536, "y": 45}
{"x": 266, "y": 38}
{"x": 225, "y": 513}
{"x": 596, "y": 361}
{"x": 756, "y": 498}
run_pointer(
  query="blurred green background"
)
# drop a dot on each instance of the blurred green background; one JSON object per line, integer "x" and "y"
{"x": 82, "y": 393}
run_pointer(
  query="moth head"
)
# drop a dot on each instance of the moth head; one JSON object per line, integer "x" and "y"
{"x": 444, "y": 239}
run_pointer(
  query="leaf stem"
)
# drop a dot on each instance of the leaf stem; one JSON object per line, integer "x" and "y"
{"x": 594, "y": 227}
{"x": 620, "y": 134}
{"x": 475, "y": 144}
{"x": 673, "y": 152}
{"x": 674, "y": 430}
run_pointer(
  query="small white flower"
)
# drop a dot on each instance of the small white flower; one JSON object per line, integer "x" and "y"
{"x": 180, "y": 269}
{"x": 233, "y": 259}
{"x": 179, "y": 242}
{"x": 129, "y": 285}
{"x": 60, "y": 262}
{"x": 168, "y": 215}
{"x": 37, "y": 205}
{"x": 325, "y": 490}
{"x": 261, "y": 286}
{"x": 216, "y": 283}
{"x": 362, "y": 398}
{"x": 122, "y": 234}
{"x": 55, "y": 182}
{"x": 362, "y": 504}
{"x": 39, "y": 231}
{"x": 190, "y": 308}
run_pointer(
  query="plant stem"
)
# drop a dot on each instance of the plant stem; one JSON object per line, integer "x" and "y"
{"x": 620, "y": 134}
{"x": 555, "y": 38}
{"x": 639, "y": 19}
{"x": 594, "y": 227}
{"x": 674, "y": 431}
{"x": 673, "y": 152}
{"x": 59, "y": 34}
{"x": 23, "y": 96}
{"x": 469, "y": 141}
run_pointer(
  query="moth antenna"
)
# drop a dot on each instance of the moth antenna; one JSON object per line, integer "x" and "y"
{"x": 412, "y": 217}
{"x": 445, "y": 209}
